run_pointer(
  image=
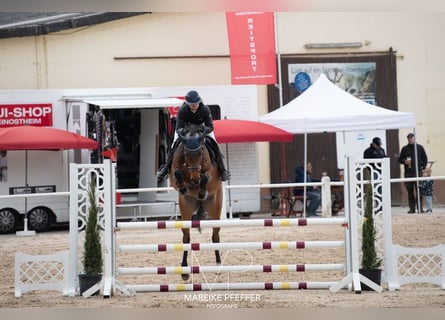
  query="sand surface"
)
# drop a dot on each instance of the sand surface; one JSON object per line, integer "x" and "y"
{"x": 408, "y": 230}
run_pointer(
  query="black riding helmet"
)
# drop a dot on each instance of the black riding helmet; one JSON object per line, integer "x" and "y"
{"x": 192, "y": 97}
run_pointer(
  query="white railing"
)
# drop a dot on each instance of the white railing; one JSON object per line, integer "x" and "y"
{"x": 41, "y": 272}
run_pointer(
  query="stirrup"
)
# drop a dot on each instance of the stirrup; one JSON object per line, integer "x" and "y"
{"x": 162, "y": 173}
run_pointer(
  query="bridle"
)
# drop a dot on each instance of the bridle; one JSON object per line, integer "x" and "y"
{"x": 193, "y": 145}
{"x": 196, "y": 168}
{"x": 193, "y": 168}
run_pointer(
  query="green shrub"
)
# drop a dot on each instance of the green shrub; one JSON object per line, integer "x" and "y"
{"x": 92, "y": 262}
{"x": 370, "y": 260}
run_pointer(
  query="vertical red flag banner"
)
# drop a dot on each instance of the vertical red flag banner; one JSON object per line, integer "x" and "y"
{"x": 252, "y": 47}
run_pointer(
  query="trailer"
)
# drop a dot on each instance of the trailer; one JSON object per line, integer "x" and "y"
{"x": 137, "y": 123}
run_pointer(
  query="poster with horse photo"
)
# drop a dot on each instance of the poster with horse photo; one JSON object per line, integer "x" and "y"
{"x": 357, "y": 79}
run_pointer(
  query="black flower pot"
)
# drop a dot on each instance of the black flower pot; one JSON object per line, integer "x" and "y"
{"x": 86, "y": 281}
{"x": 374, "y": 275}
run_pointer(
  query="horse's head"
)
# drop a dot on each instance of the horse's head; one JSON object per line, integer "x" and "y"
{"x": 192, "y": 139}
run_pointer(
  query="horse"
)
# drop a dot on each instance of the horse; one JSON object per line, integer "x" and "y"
{"x": 197, "y": 180}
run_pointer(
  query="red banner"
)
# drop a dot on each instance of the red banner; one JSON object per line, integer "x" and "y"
{"x": 252, "y": 47}
{"x": 39, "y": 115}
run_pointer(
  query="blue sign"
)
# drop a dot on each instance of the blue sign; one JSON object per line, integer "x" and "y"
{"x": 302, "y": 81}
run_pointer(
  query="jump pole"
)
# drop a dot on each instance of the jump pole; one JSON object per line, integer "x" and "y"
{"x": 231, "y": 223}
{"x": 283, "y": 245}
{"x": 233, "y": 268}
{"x": 231, "y": 286}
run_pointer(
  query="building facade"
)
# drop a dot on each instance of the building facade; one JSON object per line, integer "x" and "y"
{"x": 191, "y": 49}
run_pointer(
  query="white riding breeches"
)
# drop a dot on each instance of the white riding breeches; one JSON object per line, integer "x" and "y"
{"x": 210, "y": 134}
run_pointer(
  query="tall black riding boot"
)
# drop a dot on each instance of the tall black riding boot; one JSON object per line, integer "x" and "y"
{"x": 164, "y": 169}
{"x": 225, "y": 174}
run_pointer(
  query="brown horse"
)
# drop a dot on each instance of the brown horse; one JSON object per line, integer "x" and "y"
{"x": 198, "y": 183}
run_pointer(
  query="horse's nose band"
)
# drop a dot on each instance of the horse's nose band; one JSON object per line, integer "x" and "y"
{"x": 193, "y": 168}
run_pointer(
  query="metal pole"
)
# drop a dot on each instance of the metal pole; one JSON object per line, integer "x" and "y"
{"x": 228, "y": 182}
{"x": 25, "y": 231}
{"x": 280, "y": 96}
{"x": 416, "y": 159}
{"x": 25, "y": 220}
{"x": 305, "y": 173}
{"x": 277, "y": 49}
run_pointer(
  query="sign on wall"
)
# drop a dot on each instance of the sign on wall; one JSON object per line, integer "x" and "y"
{"x": 356, "y": 78}
{"x": 252, "y": 47}
{"x": 40, "y": 115}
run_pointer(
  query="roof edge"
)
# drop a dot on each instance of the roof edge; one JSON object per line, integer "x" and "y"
{"x": 35, "y": 27}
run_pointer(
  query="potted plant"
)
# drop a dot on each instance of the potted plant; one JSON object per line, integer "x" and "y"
{"x": 92, "y": 259}
{"x": 370, "y": 261}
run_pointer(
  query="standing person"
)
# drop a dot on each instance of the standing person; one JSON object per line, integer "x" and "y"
{"x": 193, "y": 111}
{"x": 426, "y": 190}
{"x": 408, "y": 159}
{"x": 313, "y": 194}
{"x": 375, "y": 150}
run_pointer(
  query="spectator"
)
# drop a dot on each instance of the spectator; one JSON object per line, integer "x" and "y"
{"x": 375, "y": 150}
{"x": 426, "y": 190}
{"x": 313, "y": 194}
{"x": 408, "y": 159}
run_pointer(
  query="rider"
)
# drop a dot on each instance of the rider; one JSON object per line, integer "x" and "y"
{"x": 193, "y": 111}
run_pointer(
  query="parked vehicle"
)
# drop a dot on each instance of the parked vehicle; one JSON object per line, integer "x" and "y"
{"x": 138, "y": 123}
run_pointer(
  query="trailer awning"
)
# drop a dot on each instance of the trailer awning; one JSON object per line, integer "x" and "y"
{"x": 135, "y": 103}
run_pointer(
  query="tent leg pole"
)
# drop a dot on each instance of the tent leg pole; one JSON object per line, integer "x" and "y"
{"x": 25, "y": 231}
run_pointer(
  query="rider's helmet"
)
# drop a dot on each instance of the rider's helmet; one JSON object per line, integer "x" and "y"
{"x": 192, "y": 97}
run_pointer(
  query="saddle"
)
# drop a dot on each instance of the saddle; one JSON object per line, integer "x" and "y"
{"x": 213, "y": 148}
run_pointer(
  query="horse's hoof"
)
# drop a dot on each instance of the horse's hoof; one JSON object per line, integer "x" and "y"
{"x": 185, "y": 276}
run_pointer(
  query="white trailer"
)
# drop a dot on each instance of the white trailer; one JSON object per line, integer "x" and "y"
{"x": 134, "y": 120}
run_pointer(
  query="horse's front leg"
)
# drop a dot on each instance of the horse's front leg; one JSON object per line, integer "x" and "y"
{"x": 215, "y": 239}
{"x": 185, "y": 239}
{"x": 179, "y": 176}
{"x": 202, "y": 193}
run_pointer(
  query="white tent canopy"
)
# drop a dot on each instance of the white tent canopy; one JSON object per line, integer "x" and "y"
{"x": 324, "y": 107}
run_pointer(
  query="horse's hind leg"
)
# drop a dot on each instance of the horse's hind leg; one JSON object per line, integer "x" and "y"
{"x": 185, "y": 239}
{"x": 215, "y": 239}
